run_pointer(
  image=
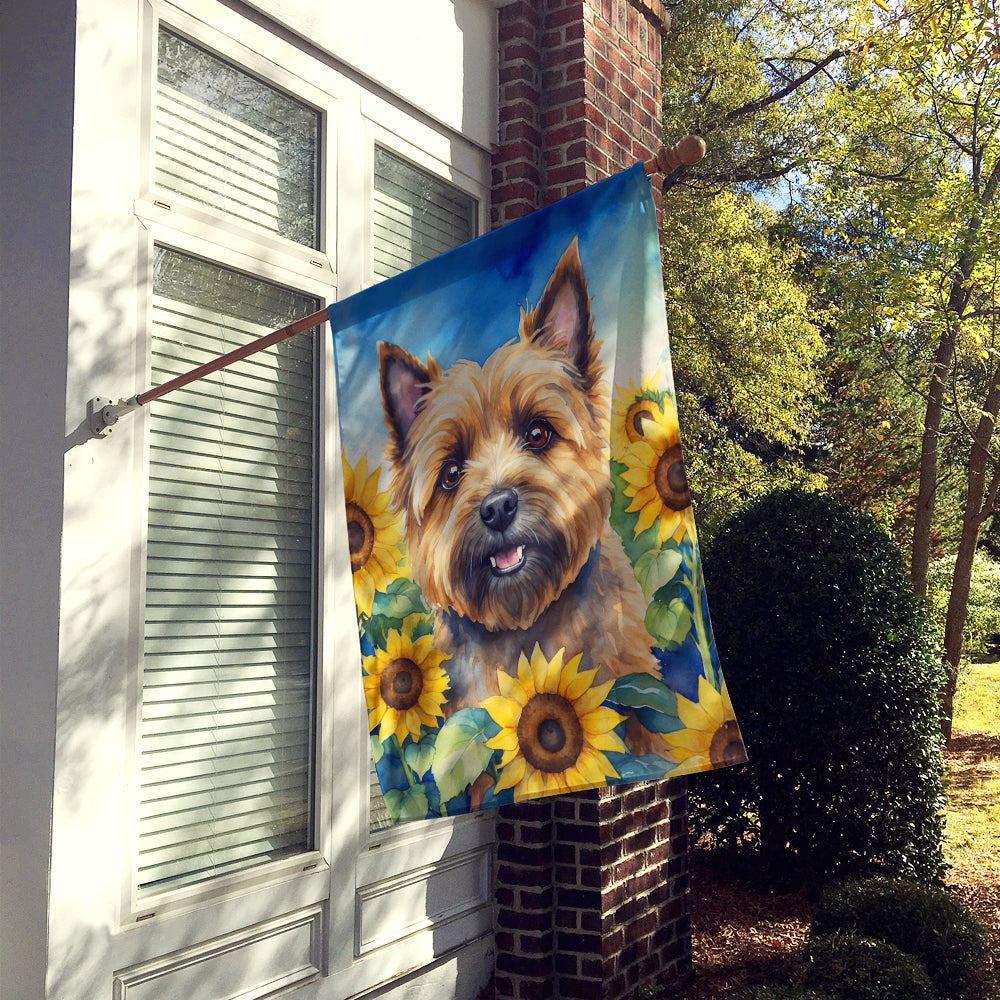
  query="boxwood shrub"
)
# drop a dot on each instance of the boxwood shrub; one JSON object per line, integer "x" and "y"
{"x": 833, "y": 673}
{"x": 782, "y": 993}
{"x": 924, "y": 921}
{"x": 855, "y": 968}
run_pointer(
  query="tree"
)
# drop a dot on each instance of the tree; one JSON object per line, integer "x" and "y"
{"x": 748, "y": 355}
{"x": 913, "y": 184}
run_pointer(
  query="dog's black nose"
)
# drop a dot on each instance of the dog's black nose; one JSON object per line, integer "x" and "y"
{"x": 498, "y": 509}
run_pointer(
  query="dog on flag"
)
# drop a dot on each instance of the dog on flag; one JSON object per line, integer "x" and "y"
{"x": 501, "y": 471}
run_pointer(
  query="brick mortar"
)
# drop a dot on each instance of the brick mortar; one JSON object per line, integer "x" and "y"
{"x": 605, "y": 910}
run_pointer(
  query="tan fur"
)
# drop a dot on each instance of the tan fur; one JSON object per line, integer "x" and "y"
{"x": 575, "y": 588}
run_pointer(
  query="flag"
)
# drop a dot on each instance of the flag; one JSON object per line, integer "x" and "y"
{"x": 531, "y": 609}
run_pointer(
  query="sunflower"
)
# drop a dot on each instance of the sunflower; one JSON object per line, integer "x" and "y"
{"x": 711, "y": 736}
{"x": 654, "y": 476}
{"x": 374, "y": 534}
{"x": 554, "y": 730}
{"x": 631, "y": 409}
{"x": 405, "y": 683}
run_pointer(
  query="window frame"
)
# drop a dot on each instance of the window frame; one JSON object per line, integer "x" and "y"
{"x": 349, "y": 866}
{"x": 177, "y": 223}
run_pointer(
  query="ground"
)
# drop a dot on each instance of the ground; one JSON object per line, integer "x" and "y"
{"x": 742, "y": 935}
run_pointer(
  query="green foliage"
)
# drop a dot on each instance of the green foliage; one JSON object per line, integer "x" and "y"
{"x": 983, "y": 611}
{"x": 747, "y": 354}
{"x": 781, "y": 992}
{"x": 833, "y": 673}
{"x": 856, "y": 968}
{"x": 924, "y": 921}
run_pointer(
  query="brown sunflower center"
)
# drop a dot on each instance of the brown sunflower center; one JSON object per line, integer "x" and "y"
{"x": 671, "y": 479}
{"x": 549, "y": 733}
{"x": 360, "y": 535}
{"x": 401, "y": 683}
{"x": 727, "y": 745}
{"x": 638, "y": 413}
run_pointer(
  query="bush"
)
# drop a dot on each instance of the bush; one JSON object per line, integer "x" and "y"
{"x": 782, "y": 993}
{"x": 834, "y": 674}
{"x": 856, "y": 968}
{"x": 925, "y": 922}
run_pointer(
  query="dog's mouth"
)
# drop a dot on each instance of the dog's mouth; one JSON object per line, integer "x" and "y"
{"x": 507, "y": 560}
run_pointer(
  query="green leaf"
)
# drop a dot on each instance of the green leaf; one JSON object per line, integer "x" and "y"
{"x": 408, "y": 804}
{"x": 654, "y": 569}
{"x": 653, "y": 702}
{"x": 460, "y": 753}
{"x": 399, "y": 600}
{"x": 418, "y": 756}
{"x": 669, "y": 623}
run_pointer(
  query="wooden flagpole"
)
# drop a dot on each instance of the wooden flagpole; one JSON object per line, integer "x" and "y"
{"x": 102, "y": 413}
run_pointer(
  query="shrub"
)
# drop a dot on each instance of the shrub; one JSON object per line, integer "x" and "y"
{"x": 834, "y": 674}
{"x": 782, "y": 993}
{"x": 856, "y": 968}
{"x": 925, "y": 922}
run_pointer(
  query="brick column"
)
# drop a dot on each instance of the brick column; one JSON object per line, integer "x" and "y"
{"x": 591, "y": 889}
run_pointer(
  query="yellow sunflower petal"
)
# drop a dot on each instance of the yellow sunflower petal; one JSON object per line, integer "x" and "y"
{"x": 506, "y": 739}
{"x": 504, "y": 711}
{"x": 511, "y": 774}
{"x": 637, "y": 476}
{"x": 589, "y": 700}
{"x": 595, "y": 767}
{"x": 364, "y": 591}
{"x": 511, "y": 687}
{"x": 646, "y": 518}
{"x": 573, "y": 687}
{"x": 525, "y": 675}
{"x": 689, "y": 739}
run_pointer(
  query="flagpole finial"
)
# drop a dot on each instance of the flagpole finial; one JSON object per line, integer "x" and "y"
{"x": 668, "y": 158}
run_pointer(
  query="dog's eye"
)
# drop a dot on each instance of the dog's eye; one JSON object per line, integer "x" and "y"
{"x": 538, "y": 435}
{"x": 451, "y": 473}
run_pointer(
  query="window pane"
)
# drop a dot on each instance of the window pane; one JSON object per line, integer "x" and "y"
{"x": 417, "y": 215}
{"x": 228, "y": 679}
{"x": 226, "y": 139}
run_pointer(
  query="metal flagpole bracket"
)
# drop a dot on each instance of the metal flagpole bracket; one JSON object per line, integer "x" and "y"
{"x": 103, "y": 413}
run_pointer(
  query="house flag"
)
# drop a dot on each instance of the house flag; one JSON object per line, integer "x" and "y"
{"x": 531, "y": 609}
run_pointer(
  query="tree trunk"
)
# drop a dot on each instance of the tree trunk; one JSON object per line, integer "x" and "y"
{"x": 920, "y": 553}
{"x": 980, "y": 498}
{"x": 958, "y": 299}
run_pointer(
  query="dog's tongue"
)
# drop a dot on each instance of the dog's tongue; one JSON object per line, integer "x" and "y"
{"x": 507, "y": 558}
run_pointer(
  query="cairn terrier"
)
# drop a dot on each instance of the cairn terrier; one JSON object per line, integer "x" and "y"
{"x": 502, "y": 473}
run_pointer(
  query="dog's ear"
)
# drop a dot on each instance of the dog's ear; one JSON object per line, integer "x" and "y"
{"x": 404, "y": 380}
{"x": 562, "y": 317}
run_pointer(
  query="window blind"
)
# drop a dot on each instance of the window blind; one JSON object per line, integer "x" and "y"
{"x": 228, "y": 140}
{"x": 228, "y": 652}
{"x": 416, "y": 216}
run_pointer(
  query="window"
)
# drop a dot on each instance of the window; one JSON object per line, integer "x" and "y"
{"x": 416, "y": 216}
{"x": 230, "y": 141}
{"x": 252, "y": 856}
{"x": 228, "y": 690}
{"x": 229, "y": 647}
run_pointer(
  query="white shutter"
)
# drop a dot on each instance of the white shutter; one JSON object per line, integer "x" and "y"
{"x": 415, "y": 216}
{"x": 228, "y": 659}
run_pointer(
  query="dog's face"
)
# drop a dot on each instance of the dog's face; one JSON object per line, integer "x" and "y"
{"x": 501, "y": 468}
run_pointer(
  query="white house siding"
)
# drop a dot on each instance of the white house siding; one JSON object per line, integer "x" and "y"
{"x": 74, "y": 288}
